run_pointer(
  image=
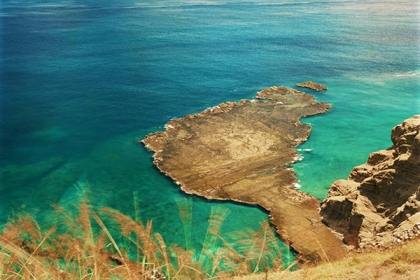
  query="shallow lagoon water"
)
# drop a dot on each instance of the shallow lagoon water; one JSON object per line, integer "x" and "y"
{"x": 82, "y": 82}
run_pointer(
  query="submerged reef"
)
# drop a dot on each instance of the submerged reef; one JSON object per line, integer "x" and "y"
{"x": 312, "y": 85}
{"x": 242, "y": 151}
{"x": 379, "y": 203}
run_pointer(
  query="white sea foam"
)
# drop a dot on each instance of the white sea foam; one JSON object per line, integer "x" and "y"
{"x": 305, "y": 150}
{"x": 408, "y": 74}
{"x": 179, "y": 4}
{"x": 168, "y": 126}
{"x": 298, "y": 158}
{"x": 213, "y": 108}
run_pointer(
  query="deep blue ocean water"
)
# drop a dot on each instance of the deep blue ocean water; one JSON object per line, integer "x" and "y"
{"x": 83, "y": 81}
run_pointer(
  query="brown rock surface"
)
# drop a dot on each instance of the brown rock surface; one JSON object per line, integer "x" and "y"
{"x": 312, "y": 85}
{"x": 242, "y": 151}
{"x": 379, "y": 204}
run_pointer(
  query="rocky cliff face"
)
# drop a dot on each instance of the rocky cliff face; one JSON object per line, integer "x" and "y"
{"x": 379, "y": 203}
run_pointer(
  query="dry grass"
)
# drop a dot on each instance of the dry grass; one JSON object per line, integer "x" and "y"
{"x": 397, "y": 263}
{"x": 106, "y": 244}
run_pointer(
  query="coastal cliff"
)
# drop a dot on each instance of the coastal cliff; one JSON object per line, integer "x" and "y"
{"x": 379, "y": 203}
{"x": 242, "y": 151}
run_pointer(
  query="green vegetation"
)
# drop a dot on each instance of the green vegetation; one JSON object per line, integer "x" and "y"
{"x": 106, "y": 244}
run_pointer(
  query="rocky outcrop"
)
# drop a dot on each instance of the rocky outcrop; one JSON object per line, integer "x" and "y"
{"x": 312, "y": 85}
{"x": 242, "y": 151}
{"x": 379, "y": 203}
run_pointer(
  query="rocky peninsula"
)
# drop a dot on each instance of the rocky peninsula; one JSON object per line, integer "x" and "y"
{"x": 242, "y": 151}
{"x": 379, "y": 204}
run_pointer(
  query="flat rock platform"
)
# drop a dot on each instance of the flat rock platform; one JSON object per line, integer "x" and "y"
{"x": 243, "y": 151}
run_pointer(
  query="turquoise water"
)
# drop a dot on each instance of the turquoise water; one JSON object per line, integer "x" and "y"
{"x": 83, "y": 81}
{"x": 359, "y": 123}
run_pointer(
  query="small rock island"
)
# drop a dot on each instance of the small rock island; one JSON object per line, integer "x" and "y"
{"x": 312, "y": 85}
{"x": 242, "y": 151}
